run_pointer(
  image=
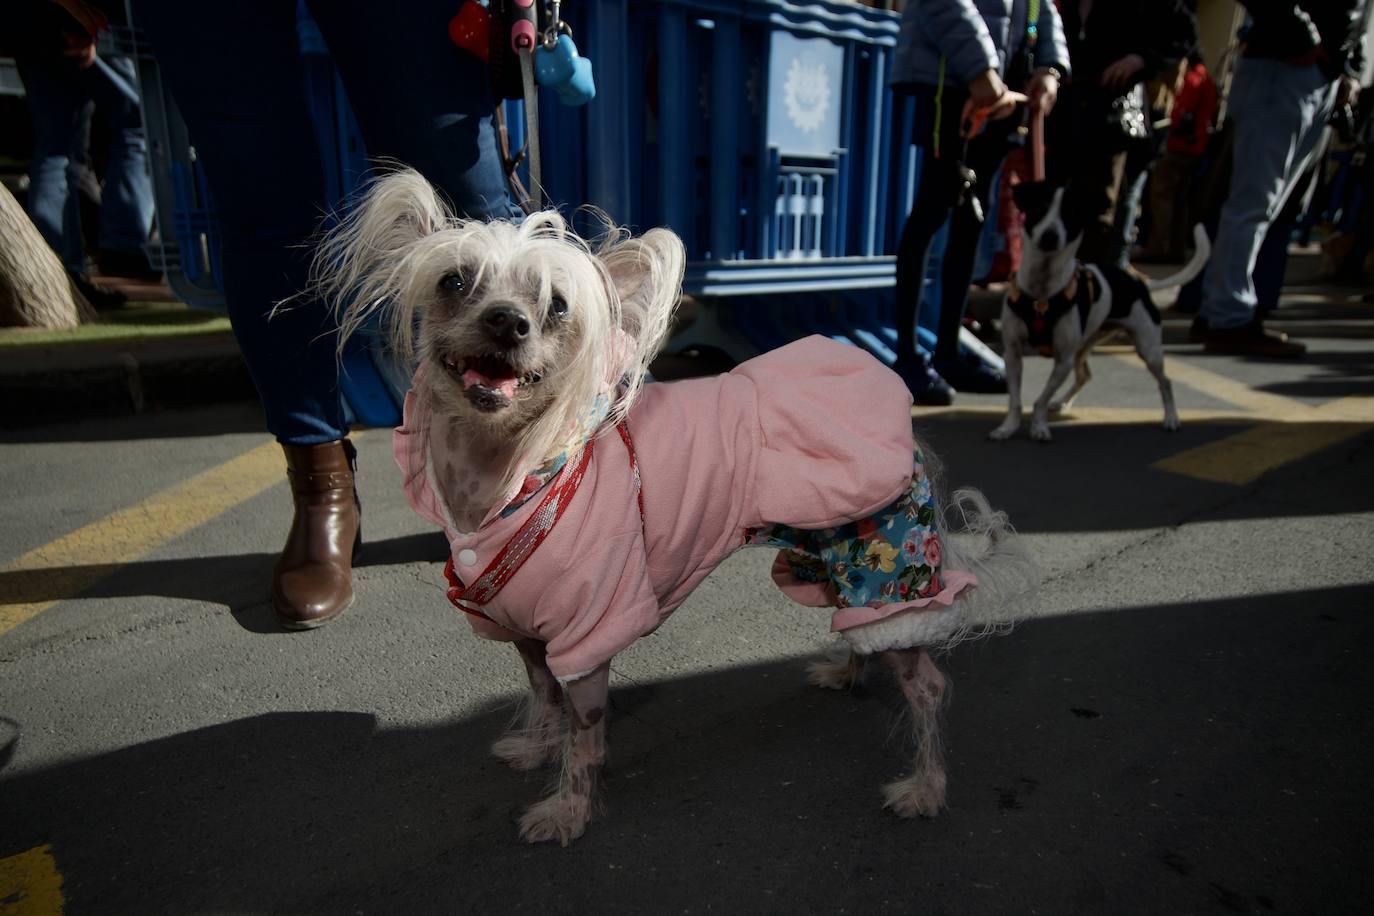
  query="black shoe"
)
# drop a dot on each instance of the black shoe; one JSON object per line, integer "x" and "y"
{"x": 971, "y": 375}
{"x": 1252, "y": 340}
{"x": 925, "y": 383}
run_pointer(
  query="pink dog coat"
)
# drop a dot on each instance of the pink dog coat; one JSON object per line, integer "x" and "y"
{"x": 811, "y": 436}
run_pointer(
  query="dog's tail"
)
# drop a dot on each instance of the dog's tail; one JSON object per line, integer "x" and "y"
{"x": 980, "y": 539}
{"x": 1202, "y": 249}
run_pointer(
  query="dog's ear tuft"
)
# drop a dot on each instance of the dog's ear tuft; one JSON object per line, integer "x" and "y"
{"x": 647, "y": 275}
{"x": 357, "y": 267}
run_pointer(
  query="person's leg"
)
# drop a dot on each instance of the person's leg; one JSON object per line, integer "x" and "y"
{"x": 1096, "y": 192}
{"x": 1165, "y": 238}
{"x": 418, "y": 99}
{"x": 1279, "y": 112}
{"x": 931, "y": 207}
{"x": 235, "y": 72}
{"x": 1126, "y": 214}
{"x": 985, "y": 154}
{"x": 126, "y": 205}
{"x": 935, "y": 131}
{"x": 56, "y": 109}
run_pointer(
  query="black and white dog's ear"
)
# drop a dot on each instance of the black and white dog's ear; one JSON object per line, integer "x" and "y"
{"x": 647, "y": 275}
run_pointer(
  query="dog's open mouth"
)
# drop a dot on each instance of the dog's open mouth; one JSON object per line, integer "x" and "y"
{"x": 489, "y": 382}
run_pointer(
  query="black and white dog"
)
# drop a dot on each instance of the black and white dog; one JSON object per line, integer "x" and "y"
{"x": 1062, "y": 308}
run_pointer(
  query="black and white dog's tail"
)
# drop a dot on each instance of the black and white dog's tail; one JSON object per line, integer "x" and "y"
{"x": 1202, "y": 250}
{"x": 975, "y": 538}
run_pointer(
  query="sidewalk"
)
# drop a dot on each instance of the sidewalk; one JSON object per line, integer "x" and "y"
{"x": 145, "y": 356}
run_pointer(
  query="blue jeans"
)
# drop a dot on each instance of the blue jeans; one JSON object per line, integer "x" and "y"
{"x": 60, "y": 97}
{"x": 236, "y": 73}
{"x": 1127, "y": 212}
{"x": 1279, "y": 112}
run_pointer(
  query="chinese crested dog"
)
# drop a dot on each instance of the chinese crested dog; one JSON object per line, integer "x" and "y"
{"x": 583, "y": 506}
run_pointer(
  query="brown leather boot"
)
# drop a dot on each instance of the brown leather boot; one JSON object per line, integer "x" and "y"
{"x": 313, "y": 579}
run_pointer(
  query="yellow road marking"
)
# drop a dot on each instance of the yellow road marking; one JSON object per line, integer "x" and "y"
{"x": 1244, "y": 457}
{"x": 30, "y": 884}
{"x": 1271, "y": 406}
{"x": 1278, "y": 431}
{"x": 1098, "y": 416}
{"x": 63, "y": 568}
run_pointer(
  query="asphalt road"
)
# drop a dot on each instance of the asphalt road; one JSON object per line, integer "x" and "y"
{"x": 1181, "y": 728}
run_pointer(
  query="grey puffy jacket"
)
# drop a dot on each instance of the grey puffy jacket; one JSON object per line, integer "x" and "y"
{"x": 972, "y": 36}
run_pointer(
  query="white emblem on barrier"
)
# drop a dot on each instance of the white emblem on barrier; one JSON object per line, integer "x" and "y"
{"x": 807, "y": 93}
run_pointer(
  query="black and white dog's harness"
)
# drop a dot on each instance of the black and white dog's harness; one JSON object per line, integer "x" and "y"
{"x": 1041, "y": 315}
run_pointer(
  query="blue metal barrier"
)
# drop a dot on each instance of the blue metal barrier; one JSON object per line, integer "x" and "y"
{"x": 761, "y": 131}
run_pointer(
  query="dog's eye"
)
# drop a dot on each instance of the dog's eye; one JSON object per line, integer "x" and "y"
{"x": 558, "y": 307}
{"x": 453, "y": 283}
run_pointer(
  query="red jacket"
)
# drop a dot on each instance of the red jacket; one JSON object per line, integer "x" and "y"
{"x": 1195, "y": 108}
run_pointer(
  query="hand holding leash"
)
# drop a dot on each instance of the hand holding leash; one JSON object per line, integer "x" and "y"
{"x": 989, "y": 99}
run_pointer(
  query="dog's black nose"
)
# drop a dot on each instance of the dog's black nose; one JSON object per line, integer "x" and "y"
{"x": 506, "y": 325}
{"x": 1050, "y": 242}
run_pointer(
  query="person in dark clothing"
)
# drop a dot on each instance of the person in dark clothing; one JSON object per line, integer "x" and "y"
{"x": 1300, "y": 61}
{"x": 66, "y": 83}
{"x": 954, "y": 57}
{"x": 1115, "y": 47}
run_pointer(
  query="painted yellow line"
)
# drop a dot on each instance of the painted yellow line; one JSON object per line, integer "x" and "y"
{"x": 65, "y": 567}
{"x": 1270, "y": 406}
{"x": 1354, "y": 409}
{"x": 30, "y": 884}
{"x": 1242, "y": 458}
{"x": 1098, "y": 416}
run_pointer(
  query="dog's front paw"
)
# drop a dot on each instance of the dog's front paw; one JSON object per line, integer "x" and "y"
{"x": 1040, "y": 431}
{"x": 1172, "y": 423}
{"x": 526, "y": 750}
{"x": 917, "y": 795}
{"x": 1059, "y": 407}
{"x": 1004, "y": 432}
{"x": 561, "y": 818}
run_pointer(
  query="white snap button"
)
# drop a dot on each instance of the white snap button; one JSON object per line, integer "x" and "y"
{"x": 467, "y": 557}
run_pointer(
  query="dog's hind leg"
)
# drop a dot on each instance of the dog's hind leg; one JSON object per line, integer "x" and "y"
{"x": 1149, "y": 343}
{"x": 924, "y": 686}
{"x": 563, "y": 816}
{"x": 1081, "y": 373}
{"x": 1040, "y": 427}
{"x": 535, "y": 737}
{"x": 1081, "y": 376}
{"x": 841, "y": 668}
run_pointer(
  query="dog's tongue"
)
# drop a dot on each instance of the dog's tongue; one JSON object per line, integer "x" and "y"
{"x": 504, "y": 384}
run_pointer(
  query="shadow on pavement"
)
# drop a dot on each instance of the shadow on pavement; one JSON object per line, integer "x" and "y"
{"x": 236, "y": 581}
{"x": 1098, "y": 477}
{"x": 1177, "y": 758}
{"x": 215, "y": 420}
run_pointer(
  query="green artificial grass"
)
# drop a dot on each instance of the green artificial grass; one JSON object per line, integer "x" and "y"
{"x": 135, "y": 321}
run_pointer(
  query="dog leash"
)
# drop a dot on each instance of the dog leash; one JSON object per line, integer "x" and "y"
{"x": 544, "y": 55}
{"x": 523, "y": 544}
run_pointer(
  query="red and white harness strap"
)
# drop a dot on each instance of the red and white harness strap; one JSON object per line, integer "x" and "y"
{"x": 526, "y": 541}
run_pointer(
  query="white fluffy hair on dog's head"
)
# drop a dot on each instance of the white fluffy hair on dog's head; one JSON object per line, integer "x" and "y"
{"x": 519, "y": 327}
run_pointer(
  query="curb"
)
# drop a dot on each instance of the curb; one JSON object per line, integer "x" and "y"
{"x": 50, "y": 384}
